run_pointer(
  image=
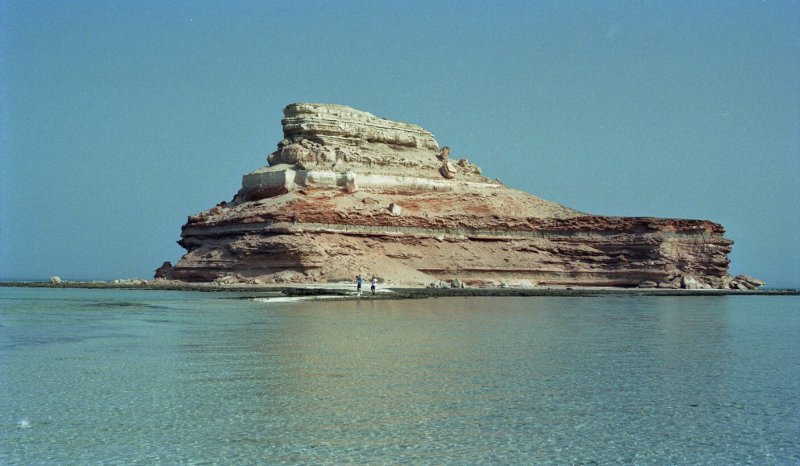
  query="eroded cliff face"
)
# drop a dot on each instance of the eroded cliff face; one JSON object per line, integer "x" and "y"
{"x": 347, "y": 193}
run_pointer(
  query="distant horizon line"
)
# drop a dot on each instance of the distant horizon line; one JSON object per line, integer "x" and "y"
{"x": 29, "y": 279}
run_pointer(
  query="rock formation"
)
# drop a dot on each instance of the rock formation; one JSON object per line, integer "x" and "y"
{"x": 347, "y": 192}
{"x": 164, "y": 271}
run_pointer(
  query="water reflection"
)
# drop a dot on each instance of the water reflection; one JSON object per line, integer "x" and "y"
{"x": 437, "y": 376}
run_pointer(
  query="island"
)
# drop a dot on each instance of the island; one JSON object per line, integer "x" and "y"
{"x": 349, "y": 193}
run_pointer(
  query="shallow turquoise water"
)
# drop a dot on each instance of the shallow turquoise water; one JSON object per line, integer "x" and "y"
{"x": 109, "y": 376}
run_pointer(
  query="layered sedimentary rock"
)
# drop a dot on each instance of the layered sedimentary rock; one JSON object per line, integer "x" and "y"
{"x": 347, "y": 192}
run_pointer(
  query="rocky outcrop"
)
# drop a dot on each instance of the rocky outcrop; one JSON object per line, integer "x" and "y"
{"x": 347, "y": 192}
{"x": 744, "y": 283}
{"x": 164, "y": 272}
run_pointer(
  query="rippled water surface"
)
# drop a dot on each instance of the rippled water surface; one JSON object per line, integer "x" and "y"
{"x": 126, "y": 377}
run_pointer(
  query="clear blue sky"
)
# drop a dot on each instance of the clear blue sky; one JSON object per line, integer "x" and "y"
{"x": 121, "y": 118}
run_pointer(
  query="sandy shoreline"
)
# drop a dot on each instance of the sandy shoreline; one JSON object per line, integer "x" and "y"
{"x": 388, "y": 291}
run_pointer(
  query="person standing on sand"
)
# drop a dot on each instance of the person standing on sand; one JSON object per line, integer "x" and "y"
{"x": 358, "y": 284}
{"x": 374, "y": 283}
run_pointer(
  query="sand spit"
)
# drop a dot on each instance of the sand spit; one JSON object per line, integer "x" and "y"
{"x": 387, "y": 291}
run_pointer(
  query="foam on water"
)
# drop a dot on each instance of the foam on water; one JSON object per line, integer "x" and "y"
{"x": 295, "y": 299}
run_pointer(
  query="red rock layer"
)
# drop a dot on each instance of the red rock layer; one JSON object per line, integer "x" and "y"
{"x": 326, "y": 235}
